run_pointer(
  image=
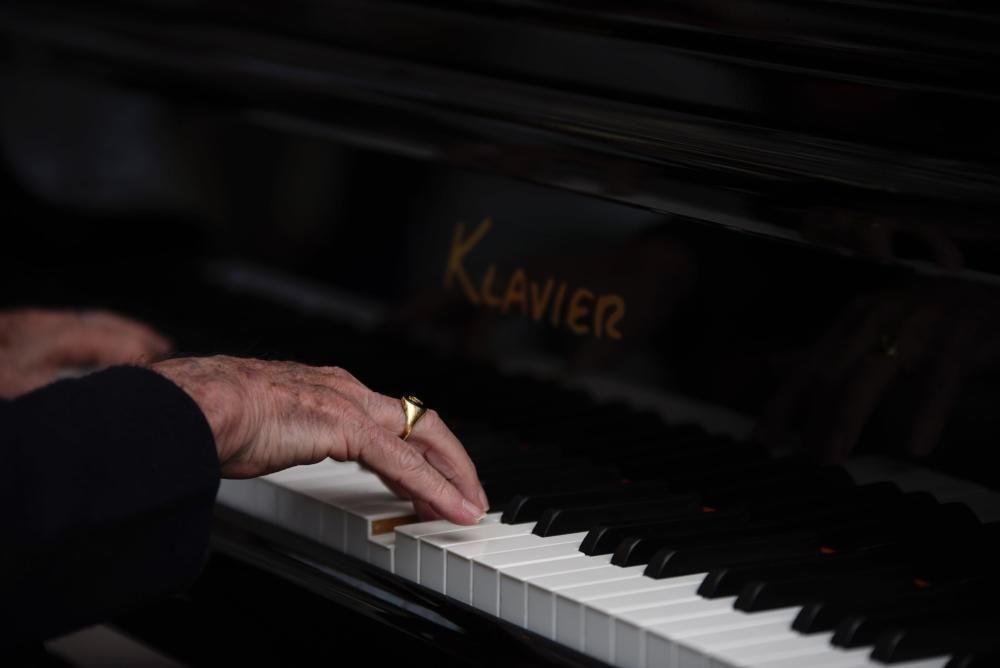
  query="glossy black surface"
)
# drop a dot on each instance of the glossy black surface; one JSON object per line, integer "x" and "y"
{"x": 786, "y": 211}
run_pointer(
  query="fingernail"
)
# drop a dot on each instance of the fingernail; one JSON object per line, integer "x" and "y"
{"x": 483, "y": 500}
{"x": 472, "y": 510}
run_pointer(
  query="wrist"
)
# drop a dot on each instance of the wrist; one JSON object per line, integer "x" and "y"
{"x": 218, "y": 397}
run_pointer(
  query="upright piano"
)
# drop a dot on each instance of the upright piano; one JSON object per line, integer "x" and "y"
{"x": 708, "y": 289}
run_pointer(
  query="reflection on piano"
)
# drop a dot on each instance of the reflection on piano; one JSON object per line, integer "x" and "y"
{"x": 694, "y": 250}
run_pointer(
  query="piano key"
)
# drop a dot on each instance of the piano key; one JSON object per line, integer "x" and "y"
{"x": 459, "y": 559}
{"x": 737, "y": 646}
{"x": 772, "y": 593}
{"x": 529, "y": 507}
{"x": 599, "y": 616}
{"x": 737, "y": 550}
{"x": 381, "y": 551}
{"x": 976, "y": 659}
{"x": 863, "y": 629}
{"x": 486, "y": 571}
{"x": 513, "y": 582}
{"x": 433, "y": 547}
{"x": 662, "y": 641}
{"x": 634, "y": 543}
{"x": 937, "y": 637}
{"x": 541, "y": 592}
{"x": 326, "y": 467}
{"x": 303, "y": 502}
{"x": 728, "y": 581}
{"x": 370, "y": 519}
{"x": 775, "y": 643}
{"x": 569, "y": 602}
{"x": 570, "y": 520}
{"x": 335, "y": 499}
{"x": 834, "y": 658}
{"x": 630, "y": 625}
{"x": 407, "y": 557}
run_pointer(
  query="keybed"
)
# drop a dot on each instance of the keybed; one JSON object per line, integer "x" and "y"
{"x": 546, "y": 585}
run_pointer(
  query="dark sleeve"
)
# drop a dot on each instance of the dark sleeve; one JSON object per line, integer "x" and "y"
{"x": 106, "y": 491}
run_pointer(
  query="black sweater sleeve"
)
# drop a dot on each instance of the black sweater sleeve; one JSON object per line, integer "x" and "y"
{"x": 106, "y": 490}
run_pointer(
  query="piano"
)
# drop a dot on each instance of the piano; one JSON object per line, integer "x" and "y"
{"x": 709, "y": 290}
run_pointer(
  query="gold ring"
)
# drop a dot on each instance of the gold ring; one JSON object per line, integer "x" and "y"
{"x": 413, "y": 410}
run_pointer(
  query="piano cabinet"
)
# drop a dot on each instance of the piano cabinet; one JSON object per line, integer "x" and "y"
{"x": 697, "y": 246}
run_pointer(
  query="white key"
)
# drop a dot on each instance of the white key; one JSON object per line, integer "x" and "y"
{"x": 458, "y": 559}
{"x": 363, "y": 520}
{"x": 742, "y": 643}
{"x": 333, "y": 529}
{"x": 779, "y": 644}
{"x": 327, "y": 467}
{"x": 297, "y": 507}
{"x": 836, "y": 658}
{"x": 660, "y": 640}
{"x": 237, "y": 494}
{"x": 433, "y": 548}
{"x": 381, "y": 551}
{"x": 570, "y": 601}
{"x": 513, "y": 582}
{"x": 599, "y": 615}
{"x": 631, "y": 625}
{"x": 486, "y": 571}
{"x": 541, "y": 592}
{"x": 407, "y": 558}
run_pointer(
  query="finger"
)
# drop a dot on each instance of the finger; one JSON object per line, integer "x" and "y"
{"x": 157, "y": 344}
{"x": 425, "y": 512}
{"x": 393, "y": 486}
{"x": 403, "y": 465}
{"x": 430, "y": 436}
{"x": 434, "y": 440}
{"x": 97, "y": 346}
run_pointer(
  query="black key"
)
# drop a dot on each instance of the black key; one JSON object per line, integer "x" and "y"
{"x": 864, "y": 629}
{"x": 607, "y": 539}
{"x": 727, "y": 581}
{"x": 529, "y": 507}
{"x": 749, "y": 549}
{"x": 939, "y": 637}
{"x": 759, "y": 595}
{"x": 557, "y": 521}
{"x": 842, "y": 515}
{"x": 983, "y": 658}
{"x": 501, "y": 490}
{"x": 892, "y": 593}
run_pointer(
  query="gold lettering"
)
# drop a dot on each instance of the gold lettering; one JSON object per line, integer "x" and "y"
{"x": 578, "y": 310}
{"x": 459, "y": 249}
{"x": 489, "y": 298}
{"x": 517, "y": 292}
{"x": 557, "y": 305}
{"x": 539, "y": 302}
{"x": 617, "y": 307}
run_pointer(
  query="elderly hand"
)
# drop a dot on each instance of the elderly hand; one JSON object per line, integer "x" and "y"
{"x": 36, "y": 343}
{"x": 268, "y": 416}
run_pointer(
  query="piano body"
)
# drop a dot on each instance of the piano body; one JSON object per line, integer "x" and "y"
{"x": 649, "y": 260}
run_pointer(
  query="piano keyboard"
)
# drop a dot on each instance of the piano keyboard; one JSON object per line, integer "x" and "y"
{"x": 773, "y": 604}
